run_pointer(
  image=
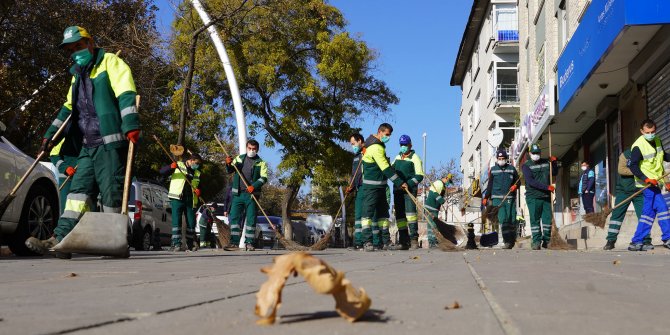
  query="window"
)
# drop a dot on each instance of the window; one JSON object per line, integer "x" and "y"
{"x": 467, "y": 84}
{"x": 562, "y": 17}
{"x": 478, "y": 160}
{"x": 506, "y": 25}
{"x": 490, "y": 83}
{"x": 507, "y": 90}
{"x": 475, "y": 63}
{"x": 540, "y": 70}
{"x": 471, "y": 124}
{"x": 147, "y": 198}
{"x": 476, "y": 107}
{"x": 508, "y": 129}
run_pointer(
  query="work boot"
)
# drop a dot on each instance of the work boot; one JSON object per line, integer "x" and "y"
{"x": 535, "y": 247}
{"x": 399, "y": 246}
{"x": 414, "y": 244}
{"x": 353, "y": 248}
{"x": 41, "y": 247}
{"x": 231, "y": 247}
{"x": 177, "y": 248}
{"x": 666, "y": 243}
{"x": 508, "y": 245}
{"x": 647, "y": 246}
{"x": 369, "y": 247}
{"x": 609, "y": 245}
{"x": 636, "y": 247}
{"x": 544, "y": 244}
{"x": 249, "y": 247}
{"x": 385, "y": 247}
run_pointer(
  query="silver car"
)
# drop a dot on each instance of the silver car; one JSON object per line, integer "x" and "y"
{"x": 34, "y": 211}
{"x": 151, "y": 215}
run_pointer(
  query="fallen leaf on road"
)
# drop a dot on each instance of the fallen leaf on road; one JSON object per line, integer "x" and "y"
{"x": 455, "y": 305}
{"x": 616, "y": 262}
{"x": 416, "y": 257}
{"x": 71, "y": 274}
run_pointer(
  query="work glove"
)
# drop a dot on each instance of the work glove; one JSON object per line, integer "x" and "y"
{"x": 173, "y": 165}
{"x": 70, "y": 171}
{"x": 553, "y": 158}
{"x": 229, "y": 160}
{"x": 404, "y": 186}
{"x": 484, "y": 201}
{"x": 133, "y": 136}
{"x": 513, "y": 188}
{"x": 348, "y": 190}
{"x": 551, "y": 188}
{"x": 250, "y": 189}
{"x": 197, "y": 192}
{"x": 667, "y": 186}
{"x": 45, "y": 146}
{"x": 651, "y": 181}
{"x": 363, "y": 150}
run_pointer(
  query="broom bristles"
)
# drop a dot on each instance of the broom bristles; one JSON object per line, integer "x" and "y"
{"x": 597, "y": 219}
{"x": 224, "y": 233}
{"x": 443, "y": 243}
{"x": 322, "y": 243}
{"x": 556, "y": 242}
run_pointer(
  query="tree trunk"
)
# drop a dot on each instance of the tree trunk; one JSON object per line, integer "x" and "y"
{"x": 289, "y": 198}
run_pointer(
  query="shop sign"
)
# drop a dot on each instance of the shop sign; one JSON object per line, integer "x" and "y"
{"x": 535, "y": 122}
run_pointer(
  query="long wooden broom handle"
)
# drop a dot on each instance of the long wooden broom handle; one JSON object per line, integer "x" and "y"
{"x": 129, "y": 168}
{"x": 637, "y": 193}
{"x": 351, "y": 182}
{"x": 508, "y": 193}
{"x": 247, "y": 185}
{"x": 67, "y": 179}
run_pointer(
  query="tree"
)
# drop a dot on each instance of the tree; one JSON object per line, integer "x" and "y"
{"x": 304, "y": 82}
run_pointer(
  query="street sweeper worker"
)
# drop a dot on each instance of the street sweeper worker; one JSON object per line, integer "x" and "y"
{"x": 101, "y": 99}
{"x": 255, "y": 174}
{"x": 356, "y": 141}
{"x": 434, "y": 201}
{"x": 64, "y": 158}
{"x": 503, "y": 181}
{"x": 587, "y": 187}
{"x": 646, "y": 163}
{"x": 409, "y": 167}
{"x": 538, "y": 195}
{"x": 625, "y": 187}
{"x": 183, "y": 199}
{"x": 376, "y": 173}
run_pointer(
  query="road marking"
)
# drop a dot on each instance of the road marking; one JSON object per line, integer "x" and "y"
{"x": 504, "y": 319}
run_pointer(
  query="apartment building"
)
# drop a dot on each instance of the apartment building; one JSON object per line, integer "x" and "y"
{"x": 486, "y": 71}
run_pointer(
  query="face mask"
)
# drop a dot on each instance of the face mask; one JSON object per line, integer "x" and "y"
{"x": 535, "y": 157}
{"x": 356, "y": 149}
{"x": 404, "y": 149}
{"x": 584, "y": 168}
{"x": 195, "y": 166}
{"x": 385, "y": 139}
{"x": 82, "y": 57}
{"x": 502, "y": 162}
{"x": 252, "y": 153}
{"x": 649, "y": 137}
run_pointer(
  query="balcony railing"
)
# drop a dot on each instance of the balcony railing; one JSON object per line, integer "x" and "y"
{"x": 508, "y": 36}
{"x": 507, "y": 93}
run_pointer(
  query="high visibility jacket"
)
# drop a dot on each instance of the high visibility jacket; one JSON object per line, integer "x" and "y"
{"x": 113, "y": 92}
{"x": 500, "y": 181}
{"x": 259, "y": 175}
{"x": 178, "y": 182}
{"x": 376, "y": 168}
{"x": 409, "y": 168}
{"x": 652, "y": 160}
{"x": 435, "y": 198}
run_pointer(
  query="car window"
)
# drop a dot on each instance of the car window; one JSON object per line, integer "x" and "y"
{"x": 131, "y": 196}
{"x": 164, "y": 197}
{"x": 158, "y": 201}
{"x": 147, "y": 196}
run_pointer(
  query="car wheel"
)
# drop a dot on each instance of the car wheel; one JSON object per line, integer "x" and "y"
{"x": 259, "y": 241}
{"x": 39, "y": 217}
{"x": 145, "y": 242}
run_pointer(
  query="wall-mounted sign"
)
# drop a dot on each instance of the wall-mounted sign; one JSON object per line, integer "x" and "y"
{"x": 535, "y": 122}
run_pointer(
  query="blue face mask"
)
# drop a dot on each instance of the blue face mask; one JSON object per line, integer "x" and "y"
{"x": 195, "y": 166}
{"x": 650, "y": 137}
{"x": 385, "y": 139}
{"x": 356, "y": 149}
{"x": 82, "y": 57}
{"x": 404, "y": 149}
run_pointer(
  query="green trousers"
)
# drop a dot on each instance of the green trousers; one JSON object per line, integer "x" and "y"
{"x": 539, "y": 210}
{"x": 405, "y": 213}
{"x": 507, "y": 219}
{"x": 180, "y": 208}
{"x": 242, "y": 203}
{"x": 619, "y": 214}
{"x": 374, "y": 206}
{"x": 61, "y": 163}
{"x": 432, "y": 239}
{"x": 358, "y": 212}
{"x": 100, "y": 170}
{"x": 205, "y": 229}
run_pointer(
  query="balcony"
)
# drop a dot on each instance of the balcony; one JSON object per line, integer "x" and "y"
{"x": 506, "y": 37}
{"x": 507, "y": 94}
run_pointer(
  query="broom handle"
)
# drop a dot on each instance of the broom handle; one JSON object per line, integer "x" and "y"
{"x": 247, "y": 185}
{"x": 188, "y": 181}
{"x": 67, "y": 179}
{"x": 509, "y": 192}
{"x": 637, "y": 193}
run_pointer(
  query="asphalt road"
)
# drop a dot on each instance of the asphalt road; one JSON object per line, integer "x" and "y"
{"x": 213, "y": 292}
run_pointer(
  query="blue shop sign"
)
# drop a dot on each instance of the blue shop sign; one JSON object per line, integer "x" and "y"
{"x": 601, "y": 25}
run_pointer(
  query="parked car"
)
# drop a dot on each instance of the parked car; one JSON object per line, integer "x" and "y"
{"x": 265, "y": 236}
{"x": 150, "y": 213}
{"x": 218, "y": 210}
{"x": 35, "y": 209}
{"x": 315, "y": 233}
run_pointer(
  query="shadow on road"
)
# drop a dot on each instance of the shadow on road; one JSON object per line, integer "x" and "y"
{"x": 372, "y": 316}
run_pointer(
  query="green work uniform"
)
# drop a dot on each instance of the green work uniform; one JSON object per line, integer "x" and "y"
{"x": 357, "y": 178}
{"x": 376, "y": 173}
{"x": 255, "y": 172}
{"x": 101, "y": 99}
{"x": 381, "y": 235}
{"x": 183, "y": 202}
{"x": 62, "y": 156}
{"x": 501, "y": 179}
{"x": 434, "y": 201}
{"x": 538, "y": 198}
{"x": 410, "y": 168}
{"x": 625, "y": 187}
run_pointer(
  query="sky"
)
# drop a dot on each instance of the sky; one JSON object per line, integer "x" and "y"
{"x": 417, "y": 42}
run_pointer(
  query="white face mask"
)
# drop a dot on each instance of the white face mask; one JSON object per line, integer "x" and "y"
{"x": 535, "y": 157}
{"x": 584, "y": 168}
{"x": 252, "y": 153}
{"x": 502, "y": 162}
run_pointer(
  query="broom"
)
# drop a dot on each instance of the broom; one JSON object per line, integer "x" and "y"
{"x": 446, "y": 229}
{"x": 224, "y": 230}
{"x": 446, "y": 239}
{"x": 322, "y": 243}
{"x": 599, "y": 219}
{"x": 556, "y": 242}
{"x": 289, "y": 245}
{"x": 60, "y": 188}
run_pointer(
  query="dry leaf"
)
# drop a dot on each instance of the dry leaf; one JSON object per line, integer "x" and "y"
{"x": 616, "y": 262}
{"x": 71, "y": 274}
{"x": 455, "y": 305}
{"x": 416, "y": 257}
{"x": 350, "y": 302}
